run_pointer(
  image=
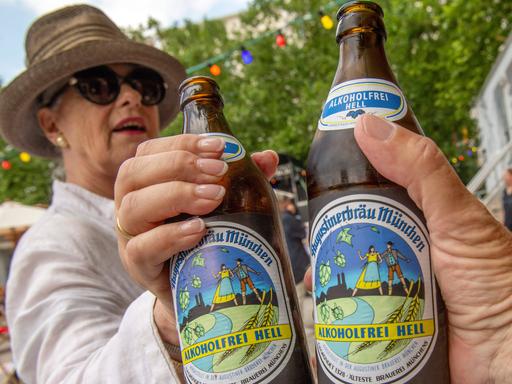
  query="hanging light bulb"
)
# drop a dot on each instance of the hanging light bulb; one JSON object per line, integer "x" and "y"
{"x": 215, "y": 69}
{"x": 6, "y": 165}
{"x": 25, "y": 157}
{"x": 326, "y": 20}
{"x": 280, "y": 39}
{"x": 454, "y": 160}
{"x": 461, "y": 157}
{"x": 246, "y": 56}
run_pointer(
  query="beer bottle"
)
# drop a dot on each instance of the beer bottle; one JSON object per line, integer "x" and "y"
{"x": 379, "y": 316}
{"x": 234, "y": 293}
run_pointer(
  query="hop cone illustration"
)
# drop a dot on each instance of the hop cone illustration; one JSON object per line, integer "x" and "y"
{"x": 325, "y": 313}
{"x": 324, "y": 273}
{"x": 198, "y": 260}
{"x": 344, "y": 236}
{"x": 188, "y": 335}
{"x": 199, "y": 330}
{"x": 337, "y": 312}
{"x": 196, "y": 282}
{"x": 184, "y": 298}
{"x": 339, "y": 259}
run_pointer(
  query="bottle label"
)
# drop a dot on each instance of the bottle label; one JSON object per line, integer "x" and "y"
{"x": 233, "y": 150}
{"x": 375, "y": 312}
{"x": 352, "y": 98}
{"x": 232, "y": 313}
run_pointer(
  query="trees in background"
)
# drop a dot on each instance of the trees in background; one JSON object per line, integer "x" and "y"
{"x": 440, "y": 50}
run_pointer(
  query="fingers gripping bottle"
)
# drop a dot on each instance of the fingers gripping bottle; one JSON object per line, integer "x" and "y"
{"x": 233, "y": 293}
{"x": 379, "y": 317}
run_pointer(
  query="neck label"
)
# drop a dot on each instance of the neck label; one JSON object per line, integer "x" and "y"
{"x": 233, "y": 149}
{"x": 348, "y": 100}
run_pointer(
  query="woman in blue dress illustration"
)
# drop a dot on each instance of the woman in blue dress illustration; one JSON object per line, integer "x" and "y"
{"x": 369, "y": 277}
{"x": 224, "y": 292}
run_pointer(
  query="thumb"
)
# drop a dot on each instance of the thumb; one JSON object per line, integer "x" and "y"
{"x": 417, "y": 164}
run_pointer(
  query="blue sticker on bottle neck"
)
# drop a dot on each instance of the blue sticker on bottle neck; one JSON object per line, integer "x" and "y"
{"x": 233, "y": 149}
{"x": 348, "y": 100}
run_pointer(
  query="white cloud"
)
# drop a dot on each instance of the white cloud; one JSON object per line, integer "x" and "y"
{"x": 133, "y": 13}
{"x": 125, "y": 13}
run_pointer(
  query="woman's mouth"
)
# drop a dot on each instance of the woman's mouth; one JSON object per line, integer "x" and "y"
{"x": 130, "y": 126}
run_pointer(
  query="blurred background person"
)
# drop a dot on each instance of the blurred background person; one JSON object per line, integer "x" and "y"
{"x": 507, "y": 199}
{"x": 296, "y": 234}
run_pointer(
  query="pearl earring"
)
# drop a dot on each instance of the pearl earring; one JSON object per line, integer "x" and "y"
{"x": 61, "y": 142}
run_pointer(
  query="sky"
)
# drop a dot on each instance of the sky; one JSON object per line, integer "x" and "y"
{"x": 17, "y": 15}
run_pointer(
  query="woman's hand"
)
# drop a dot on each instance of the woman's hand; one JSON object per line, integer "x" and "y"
{"x": 470, "y": 250}
{"x": 167, "y": 177}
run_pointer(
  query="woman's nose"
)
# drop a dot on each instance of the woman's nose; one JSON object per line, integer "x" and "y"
{"x": 129, "y": 96}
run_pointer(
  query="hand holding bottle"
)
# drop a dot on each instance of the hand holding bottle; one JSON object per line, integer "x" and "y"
{"x": 256, "y": 330}
{"x": 147, "y": 193}
{"x": 470, "y": 249}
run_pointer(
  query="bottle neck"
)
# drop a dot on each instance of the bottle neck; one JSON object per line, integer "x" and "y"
{"x": 362, "y": 55}
{"x": 203, "y": 116}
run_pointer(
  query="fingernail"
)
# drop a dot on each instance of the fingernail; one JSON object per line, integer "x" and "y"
{"x": 191, "y": 226}
{"x": 211, "y": 144}
{"x": 210, "y": 191}
{"x": 212, "y": 166}
{"x": 377, "y": 128}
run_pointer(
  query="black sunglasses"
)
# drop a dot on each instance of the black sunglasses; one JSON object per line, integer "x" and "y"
{"x": 101, "y": 85}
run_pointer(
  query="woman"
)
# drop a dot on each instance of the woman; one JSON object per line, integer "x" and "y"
{"x": 369, "y": 277}
{"x": 92, "y": 97}
{"x": 224, "y": 292}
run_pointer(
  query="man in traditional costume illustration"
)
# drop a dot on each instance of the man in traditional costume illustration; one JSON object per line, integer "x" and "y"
{"x": 242, "y": 272}
{"x": 391, "y": 256}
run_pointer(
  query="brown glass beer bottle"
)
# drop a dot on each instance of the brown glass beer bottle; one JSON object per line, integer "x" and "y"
{"x": 234, "y": 296}
{"x": 379, "y": 316}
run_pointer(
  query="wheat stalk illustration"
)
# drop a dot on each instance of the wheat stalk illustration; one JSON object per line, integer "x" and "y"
{"x": 412, "y": 314}
{"x": 253, "y": 320}
{"x": 268, "y": 314}
{"x": 393, "y": 317}
{"x": 251, "y": 323}
{"x": 266, "y": 320}
{"x": 414, "y": 307}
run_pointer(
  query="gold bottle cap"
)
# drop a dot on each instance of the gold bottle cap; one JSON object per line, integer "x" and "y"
{"x": 359, "y": 5}
{"x": 198, "y": 87}
{"x": 359, "y": 17}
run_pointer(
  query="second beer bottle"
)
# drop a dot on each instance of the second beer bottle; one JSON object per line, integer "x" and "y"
{"x": 378, "y": 313}
{"x": 236, "y": 308}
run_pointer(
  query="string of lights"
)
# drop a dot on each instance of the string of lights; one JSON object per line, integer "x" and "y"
{"x": 10, "y": 156}
{"x": 246, "y": 56}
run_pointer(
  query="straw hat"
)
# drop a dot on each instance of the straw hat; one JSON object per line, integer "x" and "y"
{"x": 62, "y": 43}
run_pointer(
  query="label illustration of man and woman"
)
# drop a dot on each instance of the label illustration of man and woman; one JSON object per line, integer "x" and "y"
{"x": 370, "y": 276}
{"x": 225, "y": 292}
{"x": 374, "y": 309}
{"x": 232, "y": 313}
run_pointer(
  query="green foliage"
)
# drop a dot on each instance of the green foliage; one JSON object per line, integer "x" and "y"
{"x": 28, "y": 183}
{"x": 441, "y": 51}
